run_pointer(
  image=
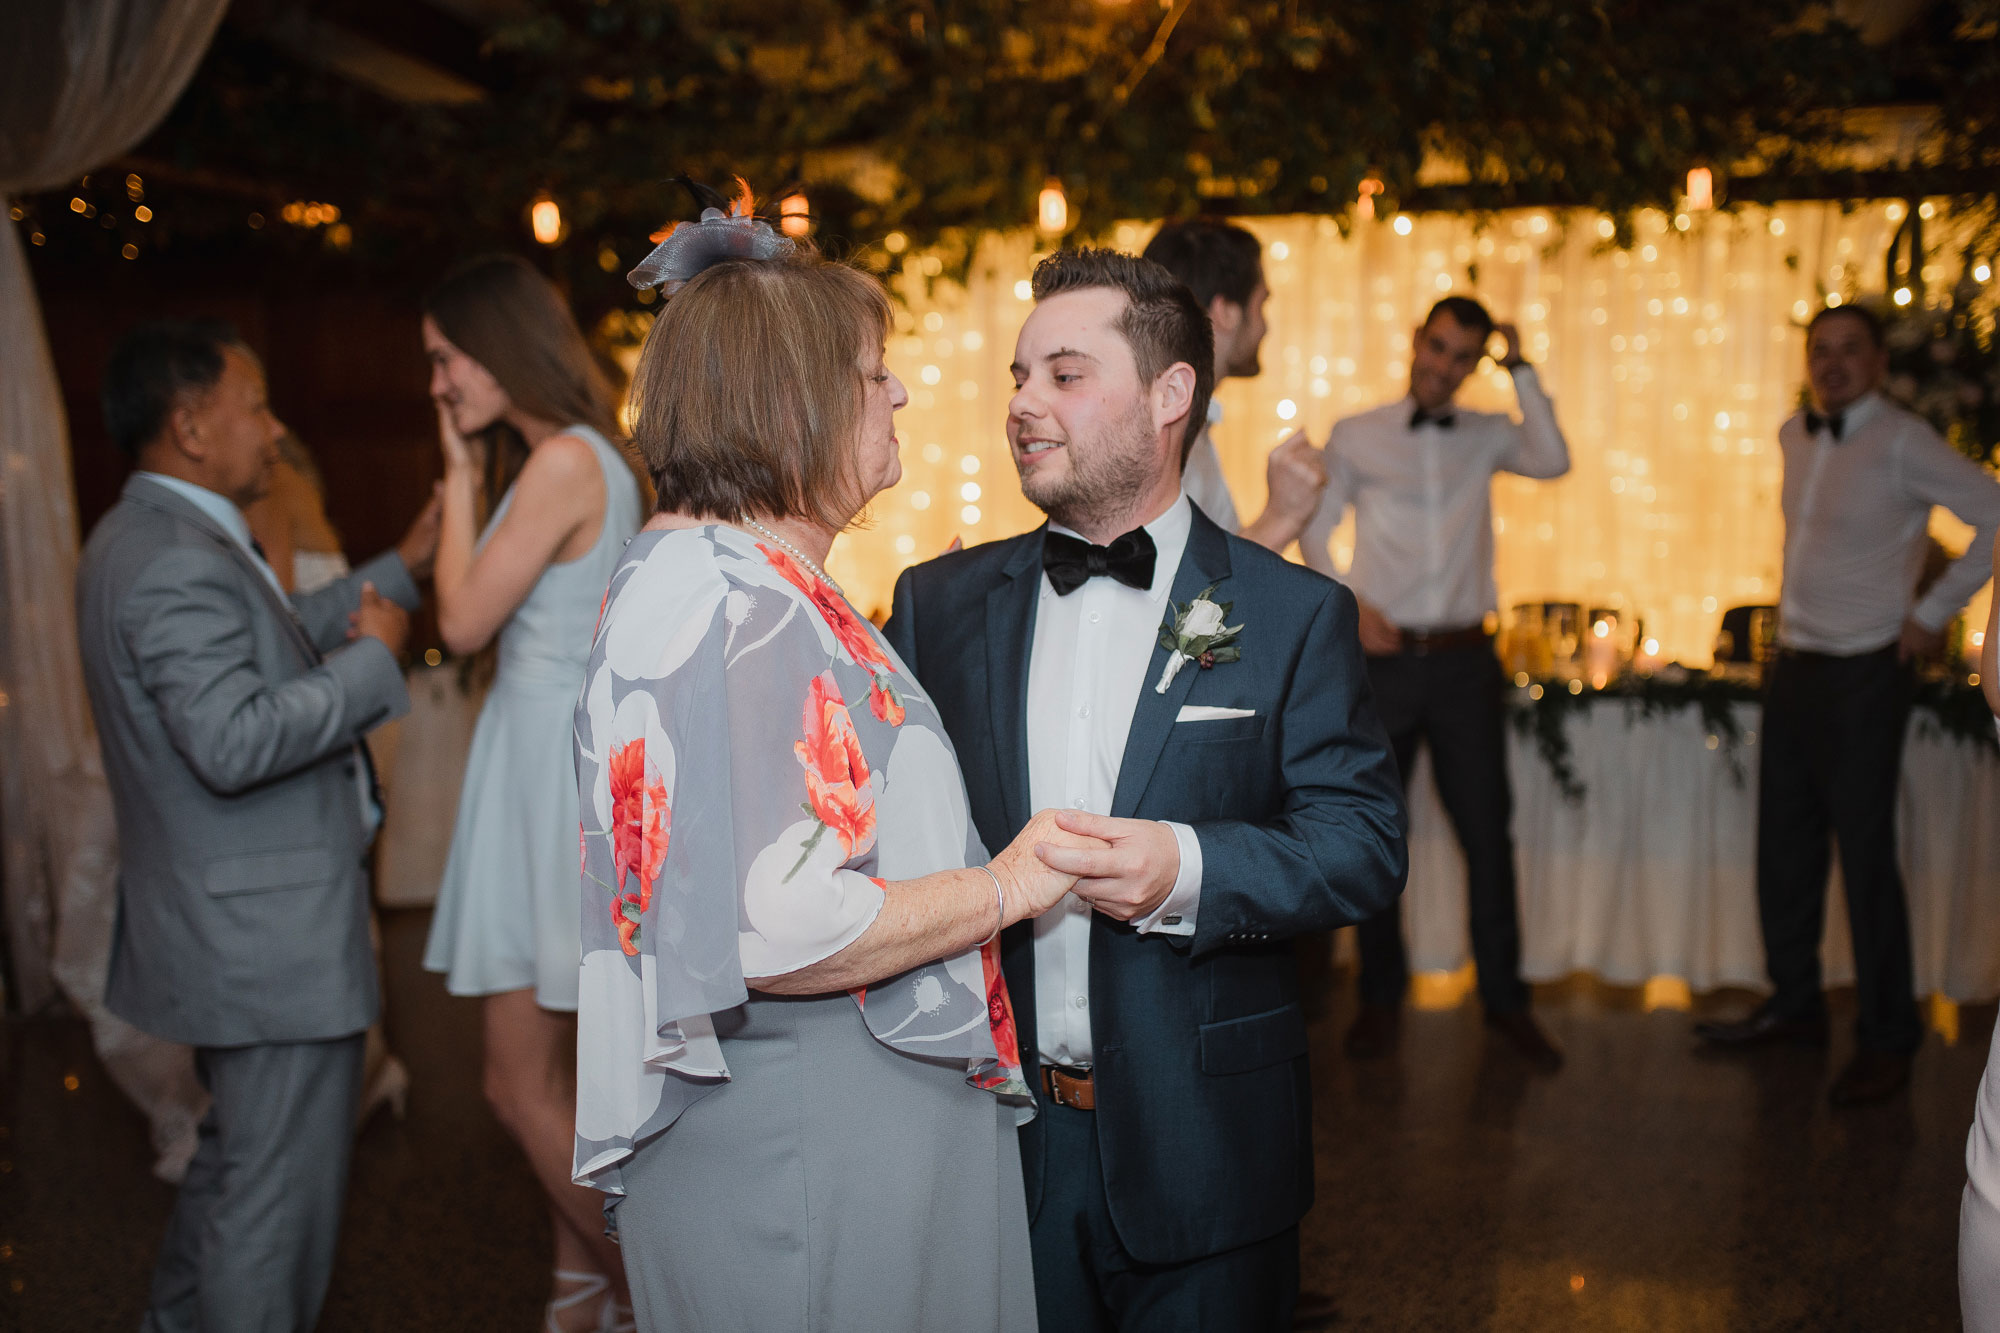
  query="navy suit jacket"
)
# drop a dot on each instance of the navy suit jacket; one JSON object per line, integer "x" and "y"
{"x": 1204, "y": 1116}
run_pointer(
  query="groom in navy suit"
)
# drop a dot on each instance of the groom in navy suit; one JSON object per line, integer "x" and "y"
{"x": 1244, "y": 787}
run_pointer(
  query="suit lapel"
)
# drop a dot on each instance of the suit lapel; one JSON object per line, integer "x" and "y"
{"x": 1205, "y": 561}
{"x": 1010, "y": 636}
{"x": 142, "y": 491}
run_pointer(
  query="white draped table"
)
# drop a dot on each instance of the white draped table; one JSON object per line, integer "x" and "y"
{"x": 1651, "y": 873}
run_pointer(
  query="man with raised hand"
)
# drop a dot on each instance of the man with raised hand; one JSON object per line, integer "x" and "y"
{"x": 1419, "y": 474}
{"x": 1223, "y": 266}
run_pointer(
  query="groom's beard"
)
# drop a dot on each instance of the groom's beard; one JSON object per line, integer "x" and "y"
{"x": 1108, "y": 476}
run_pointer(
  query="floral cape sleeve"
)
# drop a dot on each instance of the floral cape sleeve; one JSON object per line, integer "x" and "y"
{"x": 753, "y": 765}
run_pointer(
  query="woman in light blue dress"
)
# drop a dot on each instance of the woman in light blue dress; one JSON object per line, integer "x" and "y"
{"x": 509, "y": 365}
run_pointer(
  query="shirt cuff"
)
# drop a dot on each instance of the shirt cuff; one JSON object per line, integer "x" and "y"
{"x": 1176, "y": 915}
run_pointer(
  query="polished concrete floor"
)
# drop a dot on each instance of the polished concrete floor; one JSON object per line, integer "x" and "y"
{"x": 1644, "y": 1187}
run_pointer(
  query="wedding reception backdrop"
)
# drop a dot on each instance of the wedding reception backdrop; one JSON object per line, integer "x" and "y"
{"x": 1672, "y": 364}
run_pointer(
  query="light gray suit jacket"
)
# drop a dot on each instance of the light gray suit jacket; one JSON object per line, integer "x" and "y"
{"x": 229, "y": 719}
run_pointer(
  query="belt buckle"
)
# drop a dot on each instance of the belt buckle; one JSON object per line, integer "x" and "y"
{"x": 1059, "y": 1072}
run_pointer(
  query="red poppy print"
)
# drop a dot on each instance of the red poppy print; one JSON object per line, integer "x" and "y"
{"x": 640, "y": 818}
{"x": 839, "y": 788}
{"x": 849, "y": 629}
{"x": 1000, "y": 1009}
{"x": 625, "y": 911}
{"x": 884, "y": 700}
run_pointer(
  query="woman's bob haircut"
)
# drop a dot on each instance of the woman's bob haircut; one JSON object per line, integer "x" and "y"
{"x": 747, "y": 398}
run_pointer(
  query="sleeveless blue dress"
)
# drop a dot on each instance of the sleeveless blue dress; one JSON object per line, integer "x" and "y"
{"x": 506, "y": 916}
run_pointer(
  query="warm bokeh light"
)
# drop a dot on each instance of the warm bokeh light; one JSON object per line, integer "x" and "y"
{"x": 794, "y": 215}
{"x": 1052, "y": 212}
{"x": 1364, "y": 199}
{"x": 1700, "y": 189}
{"x": 545, "y": 217}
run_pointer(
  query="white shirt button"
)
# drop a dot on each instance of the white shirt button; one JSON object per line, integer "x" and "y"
{"x": 1096, "y": 616}
{"x": 1083, "y": 711}
{"x": 1081, "y": 1001}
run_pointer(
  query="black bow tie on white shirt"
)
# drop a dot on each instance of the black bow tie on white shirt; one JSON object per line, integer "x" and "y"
{"x": 1070, "y": 562}
{"x": 1444, "y": 420}
{"x": 1816, "y": 423}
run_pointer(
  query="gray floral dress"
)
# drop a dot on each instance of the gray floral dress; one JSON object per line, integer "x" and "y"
{"x": 753, "y": 763}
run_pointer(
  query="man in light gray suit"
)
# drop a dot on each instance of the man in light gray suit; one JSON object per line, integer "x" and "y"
{"x": 231, "y": 720}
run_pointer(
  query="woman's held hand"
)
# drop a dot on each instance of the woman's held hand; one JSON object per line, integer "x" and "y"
{"x": 1031, "y": 886}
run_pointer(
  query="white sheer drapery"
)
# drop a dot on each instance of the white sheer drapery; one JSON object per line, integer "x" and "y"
{"x": 81, "y": 81}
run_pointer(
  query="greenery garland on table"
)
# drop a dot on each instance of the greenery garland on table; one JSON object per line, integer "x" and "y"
{"x": 1948, "y": 707}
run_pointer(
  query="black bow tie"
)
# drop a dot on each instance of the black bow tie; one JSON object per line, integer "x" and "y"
{"x": 1816, "y": 423}
{"x": 1070, "y": 562}
{"x": 1443, "y": 420}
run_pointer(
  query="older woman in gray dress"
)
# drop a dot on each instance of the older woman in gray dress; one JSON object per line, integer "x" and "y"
{"x": 797, "y": 1074}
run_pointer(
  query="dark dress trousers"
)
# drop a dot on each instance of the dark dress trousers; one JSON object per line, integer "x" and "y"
{"x": 1202, "y": 1132}
{"x": 1832, "y": 757}
{"x": 1454, "y": 701}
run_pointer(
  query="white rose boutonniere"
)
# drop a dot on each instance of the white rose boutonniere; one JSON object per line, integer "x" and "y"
{"x": 1196, "y": 633}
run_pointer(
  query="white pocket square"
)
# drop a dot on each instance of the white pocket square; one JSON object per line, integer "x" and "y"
{"x": 1203, "y": 713}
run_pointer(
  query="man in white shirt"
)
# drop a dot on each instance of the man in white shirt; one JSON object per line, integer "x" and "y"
{"x": 1861, "y": 477}
{"x": 1223, "y": 265}
{"x": 1248, "y": 796}
{"x": 1419, "y": 474}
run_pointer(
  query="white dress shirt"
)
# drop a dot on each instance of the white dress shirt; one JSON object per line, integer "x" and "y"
{"x": 1856, "y": 513}
{"x": 231, "y": 520}
{"x": 1086, "y": 668}
{"x": 1202, "y": 479}
{"x": 1423, "y": 503}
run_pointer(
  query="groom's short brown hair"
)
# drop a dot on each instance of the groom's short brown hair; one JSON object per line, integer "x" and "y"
{"x": 1161, "y": 322}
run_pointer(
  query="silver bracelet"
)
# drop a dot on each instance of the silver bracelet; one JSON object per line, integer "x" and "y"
{"x": 999, "y": 901}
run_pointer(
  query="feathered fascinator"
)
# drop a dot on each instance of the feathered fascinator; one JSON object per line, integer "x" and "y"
{"x": 728, "y": 229}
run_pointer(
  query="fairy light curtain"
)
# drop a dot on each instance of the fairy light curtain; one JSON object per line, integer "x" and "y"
{"x": 1672, "y": 364}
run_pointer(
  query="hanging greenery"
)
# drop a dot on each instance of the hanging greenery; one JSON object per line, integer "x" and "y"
{"x": 939, "y": 122}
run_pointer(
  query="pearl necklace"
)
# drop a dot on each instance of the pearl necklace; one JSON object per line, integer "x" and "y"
{"x": 793, "y": 552}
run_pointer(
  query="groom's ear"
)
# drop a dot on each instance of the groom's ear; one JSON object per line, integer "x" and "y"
{"x": 1173, "y": 395}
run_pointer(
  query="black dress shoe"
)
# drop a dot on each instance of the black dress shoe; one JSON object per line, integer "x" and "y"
{"x": 1525, "y": 1035}
{"x": 1764, "y": 1027}
{"x": 1871, "y": 1076}
{"x": 1377, "y": 1031}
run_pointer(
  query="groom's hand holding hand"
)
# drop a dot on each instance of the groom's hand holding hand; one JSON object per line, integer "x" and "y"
{"x": 1130, "y": 876}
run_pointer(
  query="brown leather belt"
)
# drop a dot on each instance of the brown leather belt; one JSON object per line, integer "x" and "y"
{"x": 1421, "y": 642}
{"x": 1069, "y": 1087}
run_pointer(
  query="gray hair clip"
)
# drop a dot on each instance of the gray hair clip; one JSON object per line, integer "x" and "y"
{"x": 725, "y": 231}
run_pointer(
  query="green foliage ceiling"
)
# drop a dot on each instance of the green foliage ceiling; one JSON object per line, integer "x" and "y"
{"x": 944, "y": 120}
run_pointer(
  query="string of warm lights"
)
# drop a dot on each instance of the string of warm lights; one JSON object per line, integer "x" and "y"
{"x": 1672, "y": 364}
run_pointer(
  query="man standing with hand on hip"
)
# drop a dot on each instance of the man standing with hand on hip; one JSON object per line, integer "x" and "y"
{"x": 231, "y": 720}
{"x": 1199, "y": 704}
{"x": 1223, "y": 266}
{"x": 1861, "y": 477}
{"x": 1419, "y": 473}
